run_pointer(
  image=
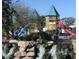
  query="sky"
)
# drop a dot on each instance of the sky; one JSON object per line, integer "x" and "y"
{"x": 66, "y": 8}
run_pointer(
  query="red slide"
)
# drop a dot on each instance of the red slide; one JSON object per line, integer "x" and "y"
{"x": 61, "y": 24}
{"x": 64, "y": 27}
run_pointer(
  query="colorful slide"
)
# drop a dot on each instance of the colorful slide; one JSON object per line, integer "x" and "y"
{"x": 64, "y": 27}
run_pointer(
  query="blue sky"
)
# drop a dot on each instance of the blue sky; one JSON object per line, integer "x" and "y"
{"x": 66, "y": 8}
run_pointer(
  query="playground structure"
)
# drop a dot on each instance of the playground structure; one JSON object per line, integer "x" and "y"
{"x": 52, "y": 23}
{"x": 62, "y": 26}
{"x": 21, "y": 32}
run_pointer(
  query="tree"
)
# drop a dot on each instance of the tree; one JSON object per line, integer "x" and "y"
{"x": 27, "y": 15}
{"x": 23, "y": 13}
{"x": 7, "y": 12}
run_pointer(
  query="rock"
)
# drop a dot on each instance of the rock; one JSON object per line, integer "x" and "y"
{"x": 28, "y": 58}
{"x": 30, "y": 54}
{"x": 16, "y": 58}
{"x": 23, "y": 43}
{"x": 17, "y": 54}
{"x": 23, "y": 53}
{"x": 31, "y": 49}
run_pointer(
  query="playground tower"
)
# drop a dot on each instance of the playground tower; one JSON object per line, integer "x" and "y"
{"x": 51, "y": 18}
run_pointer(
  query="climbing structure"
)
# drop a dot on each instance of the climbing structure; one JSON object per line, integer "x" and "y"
{"x": 62, "y": 26}
{"x": 52, "y": 21}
